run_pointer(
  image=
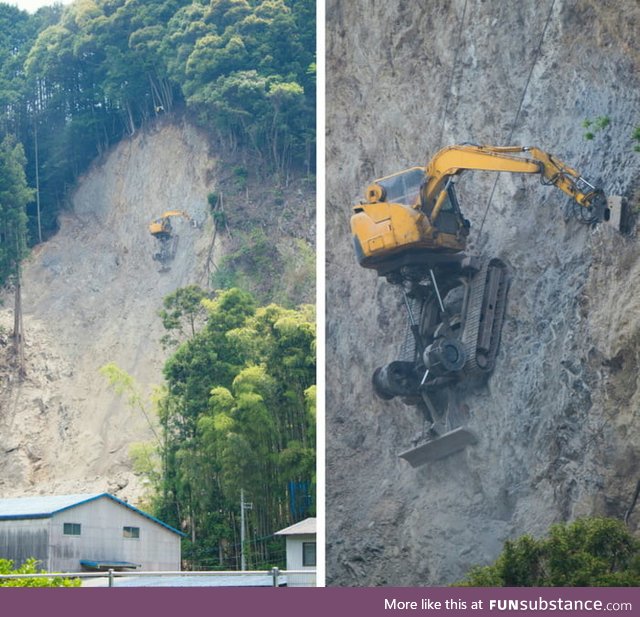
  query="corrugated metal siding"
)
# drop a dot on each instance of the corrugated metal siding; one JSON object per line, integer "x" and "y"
{"x": 102, "y": 522}
{"x": 20, "y": 540}
{"x": 42, "y": 506}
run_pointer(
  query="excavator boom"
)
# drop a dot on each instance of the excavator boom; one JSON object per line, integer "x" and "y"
{"x": 455, "y": 159}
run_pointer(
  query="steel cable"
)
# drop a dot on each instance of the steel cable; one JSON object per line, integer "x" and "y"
{"x": 515, "y": 120}
{"x": 453, "y": 70}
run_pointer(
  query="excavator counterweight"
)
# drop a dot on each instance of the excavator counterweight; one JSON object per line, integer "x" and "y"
{"x": 410, "y": 229}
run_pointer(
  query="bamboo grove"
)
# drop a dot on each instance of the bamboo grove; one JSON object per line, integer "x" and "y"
{"x": 237, "y": 413}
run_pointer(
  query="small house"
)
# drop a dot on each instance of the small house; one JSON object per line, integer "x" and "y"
{"x": 72, "y": 533}
{"x": 301, "y": 552}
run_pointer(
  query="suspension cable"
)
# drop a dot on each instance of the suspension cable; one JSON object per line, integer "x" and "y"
{"x": 453, "y": 70}
{"x": 515, "y": 120}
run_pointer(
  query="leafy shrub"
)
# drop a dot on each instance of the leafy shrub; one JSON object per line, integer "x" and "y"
{"x": 240, "y": 175}
{"x": 593, "y": 126}
{"x": 636, "y": 137}
{"x": 29, "y": 567}
{"x": 589, "y": 552}
{"x": 219, "y": 218}
{"x": 254, "y": 265}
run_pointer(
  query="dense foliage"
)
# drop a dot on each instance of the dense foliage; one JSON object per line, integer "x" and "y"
{"x": 14, "y": 196}
{"x": 238, "y": 413}
{"x": 29, "y": 567}
{"x": 267, "y": 269}
{"x": 592, "y": 552}
{"x": 75, "y": 80}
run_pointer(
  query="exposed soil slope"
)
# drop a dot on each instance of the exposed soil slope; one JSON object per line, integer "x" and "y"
{"x": 91, "y": 296}
{"x": 558, "y": 420}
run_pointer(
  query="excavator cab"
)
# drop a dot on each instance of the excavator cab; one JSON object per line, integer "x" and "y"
{"x": 401, "y": 188}
{"x": 160, "y": 227}
{"x": 448, "y": 219}
{"x": 394, "y": 226}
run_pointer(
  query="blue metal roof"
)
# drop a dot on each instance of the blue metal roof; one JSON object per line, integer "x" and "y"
{"x": 46, "y": 506}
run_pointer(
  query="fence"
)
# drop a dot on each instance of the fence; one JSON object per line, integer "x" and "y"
{"x": 235, "y": 578}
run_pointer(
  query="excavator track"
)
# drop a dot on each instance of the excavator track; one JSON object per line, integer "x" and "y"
{"x": 484, "y": 317}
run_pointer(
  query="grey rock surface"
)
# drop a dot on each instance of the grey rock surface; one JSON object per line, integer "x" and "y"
{"x": 558, "y": 420}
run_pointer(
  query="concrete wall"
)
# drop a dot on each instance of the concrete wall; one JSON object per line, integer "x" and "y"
{"x": 102, "y": 539}
{"x": 22, "y": 539}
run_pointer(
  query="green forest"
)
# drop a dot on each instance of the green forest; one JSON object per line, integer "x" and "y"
{"x": 75, "y": 80}
{"x": 587, "y": 552}
{"x": 239, "y": 412}
{"x": 237, "y": 409}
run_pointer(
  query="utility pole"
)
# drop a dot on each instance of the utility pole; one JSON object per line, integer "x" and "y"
{"x": 243, "y": 506}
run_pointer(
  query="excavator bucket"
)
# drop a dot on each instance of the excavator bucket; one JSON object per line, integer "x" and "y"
{"x": 439, "y": 447}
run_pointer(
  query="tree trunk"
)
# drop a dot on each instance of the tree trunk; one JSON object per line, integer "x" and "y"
{"x": 18, "y": 328}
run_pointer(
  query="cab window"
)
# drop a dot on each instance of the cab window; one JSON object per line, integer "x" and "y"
{"x": 404, "y": 187}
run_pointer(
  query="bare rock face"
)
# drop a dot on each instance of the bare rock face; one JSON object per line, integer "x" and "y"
{"x": 557, "y": 420}
{"x": 91, "y": 296}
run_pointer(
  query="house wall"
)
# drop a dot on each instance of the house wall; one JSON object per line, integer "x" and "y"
{"x": 294, "y": 551}
{"x": 294, "y": 561}
{"x": 22, "y": 539}
{"x": 101, "y": 538}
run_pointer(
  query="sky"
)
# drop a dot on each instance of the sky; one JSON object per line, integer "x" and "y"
{"x": 33, "y": 5}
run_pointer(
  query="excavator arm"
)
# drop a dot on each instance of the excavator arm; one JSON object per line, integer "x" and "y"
{"x": 170, "y": 213}
{"x": 415, "y": 213}
{"x": 453, "y": 160}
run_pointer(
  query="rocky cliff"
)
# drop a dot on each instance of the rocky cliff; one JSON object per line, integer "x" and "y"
{"x": 558, "y": 419}
{"x": 91, "y": 296}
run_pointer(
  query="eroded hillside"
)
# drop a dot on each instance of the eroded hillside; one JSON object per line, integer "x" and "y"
{"x": 557, "y": 421}
{"x": 91, "y": 296}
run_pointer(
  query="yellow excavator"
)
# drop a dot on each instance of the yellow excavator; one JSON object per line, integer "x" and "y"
{"x": 411, "y": 230}
{"x": 162, "y": 230}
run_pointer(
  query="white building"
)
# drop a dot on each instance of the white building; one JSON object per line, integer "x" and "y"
{"x": 301, "y": 552}
{"x": 71, "y": 533}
